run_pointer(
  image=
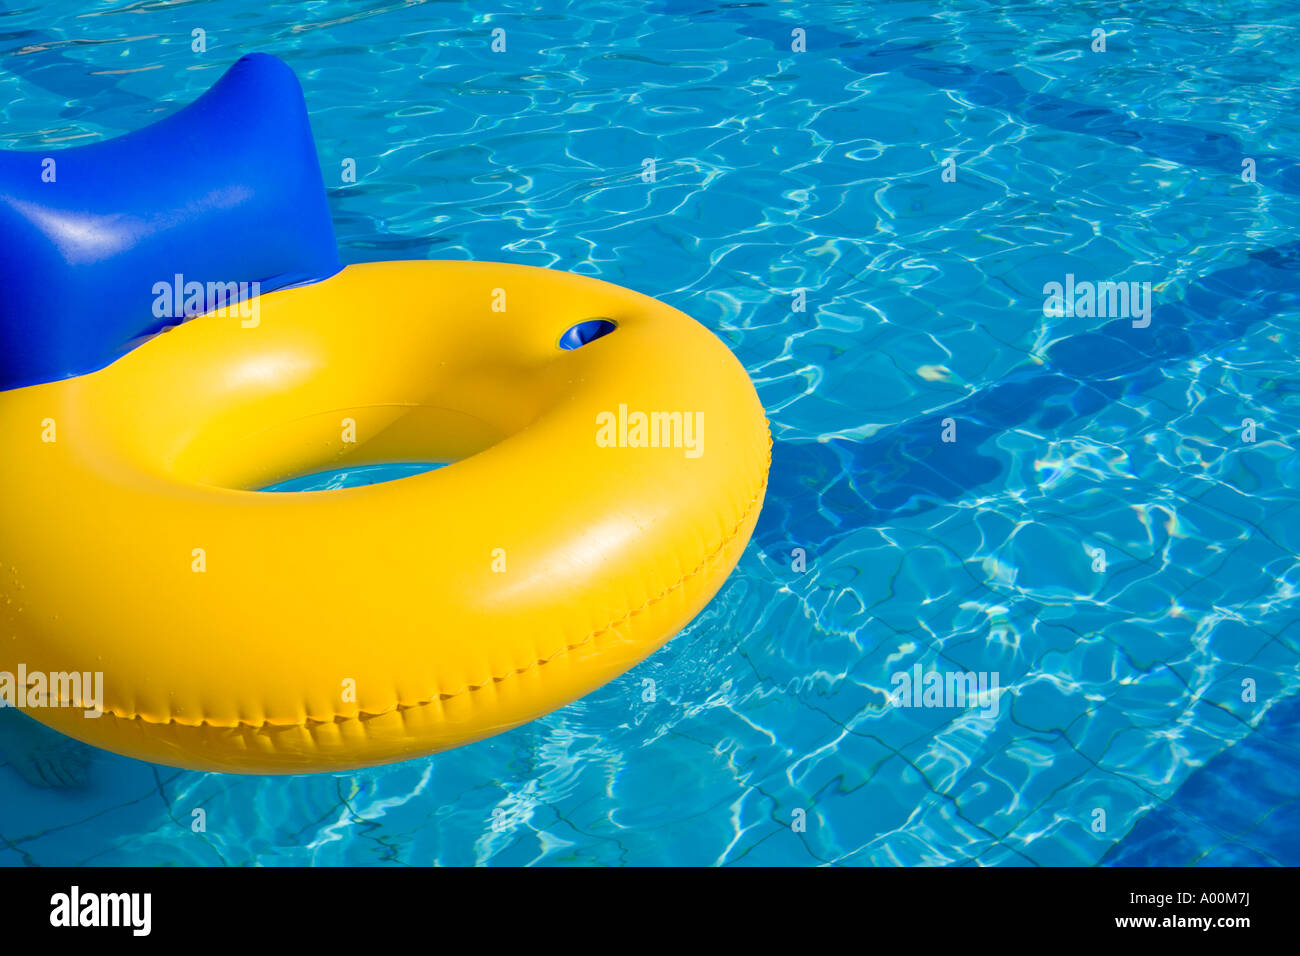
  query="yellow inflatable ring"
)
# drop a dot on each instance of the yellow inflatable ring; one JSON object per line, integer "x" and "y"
{"x": 256, "y": 632}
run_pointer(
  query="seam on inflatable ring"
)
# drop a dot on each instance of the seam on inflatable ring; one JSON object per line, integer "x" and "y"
{"x": 399, "y": 707}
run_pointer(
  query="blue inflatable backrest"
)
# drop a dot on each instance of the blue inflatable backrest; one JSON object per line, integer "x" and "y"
{"x": 98, "y": 243}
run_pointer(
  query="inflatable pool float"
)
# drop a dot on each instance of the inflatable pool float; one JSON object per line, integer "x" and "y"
{"x": 609, "y": 460}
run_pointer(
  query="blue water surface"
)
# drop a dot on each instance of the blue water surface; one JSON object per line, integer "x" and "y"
{"x": 1113, "y": 532}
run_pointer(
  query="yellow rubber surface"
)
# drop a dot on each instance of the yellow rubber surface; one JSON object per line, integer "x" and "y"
{"x": 255, "y": 632}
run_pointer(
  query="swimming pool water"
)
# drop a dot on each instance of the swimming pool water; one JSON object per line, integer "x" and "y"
{"x": 881, "y": 546}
